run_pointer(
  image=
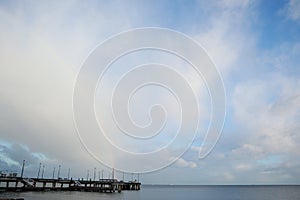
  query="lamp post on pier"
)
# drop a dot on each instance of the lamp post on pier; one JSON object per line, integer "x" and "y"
{"x": 94, "y": 173}
{"x": 69, "y": 173}
{"x": 43, "y": 171}
{"x": 58, "y": 172}
{"x": 22, "y": 171}
{"x": 38, "y": 175}
{"x": 53, "y": 173}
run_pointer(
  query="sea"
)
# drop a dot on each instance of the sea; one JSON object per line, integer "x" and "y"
{"x": 174, "y": 192}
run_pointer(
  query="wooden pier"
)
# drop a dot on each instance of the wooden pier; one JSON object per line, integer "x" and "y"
{"x": 19, "y": 184}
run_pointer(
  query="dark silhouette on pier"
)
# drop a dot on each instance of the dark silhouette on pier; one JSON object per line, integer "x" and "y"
{"x": 14, "y": 183}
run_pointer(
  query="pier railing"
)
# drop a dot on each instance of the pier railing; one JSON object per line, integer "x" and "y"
{"x": 19, "y": 184}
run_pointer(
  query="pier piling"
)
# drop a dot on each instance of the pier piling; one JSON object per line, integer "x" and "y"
{"x": 19, "y": 184}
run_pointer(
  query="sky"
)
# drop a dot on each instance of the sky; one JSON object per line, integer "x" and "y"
{"x": 254, "y": 44}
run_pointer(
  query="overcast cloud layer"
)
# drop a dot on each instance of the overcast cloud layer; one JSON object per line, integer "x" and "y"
{"x": 255, "y": 45}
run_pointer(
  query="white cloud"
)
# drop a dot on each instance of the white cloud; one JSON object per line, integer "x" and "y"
{"x": 228, "y": 177}
{"x": 42, "y": 47}
{"x": 252, "y": 150}
{"x": 270, "y": 111}
{"x": 183, "y": 163}
{"x": 265, "y": 104}
{"x": 41, "y": 52}
{"x": 292, "y": 10}
{"x": 243, "y": 167}
{"x": 229, "y": 39}
{"x": 195, "y": 148}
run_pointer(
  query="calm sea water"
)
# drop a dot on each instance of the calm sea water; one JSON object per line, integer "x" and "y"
{"x": 175, "y": 193}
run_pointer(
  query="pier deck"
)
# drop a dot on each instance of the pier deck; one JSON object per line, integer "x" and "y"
{"x": 19, "y": 184}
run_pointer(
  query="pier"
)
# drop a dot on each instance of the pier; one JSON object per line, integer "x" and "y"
{"x": 19, "y": 184}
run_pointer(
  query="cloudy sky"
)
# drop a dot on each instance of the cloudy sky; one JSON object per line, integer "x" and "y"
{"x": 254, "y": 44}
